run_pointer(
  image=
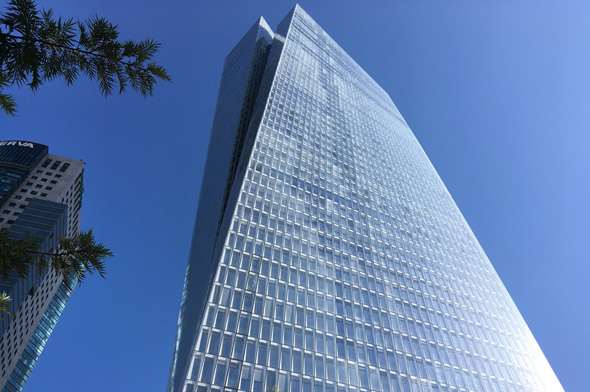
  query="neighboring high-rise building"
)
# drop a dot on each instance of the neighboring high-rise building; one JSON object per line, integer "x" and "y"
{"x": 40, "y": 199}
{"x": 327, "y": 253}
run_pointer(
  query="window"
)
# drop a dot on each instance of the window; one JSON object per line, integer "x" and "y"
{"x": 46, "y": 163}
{"x": 55, "y": 165}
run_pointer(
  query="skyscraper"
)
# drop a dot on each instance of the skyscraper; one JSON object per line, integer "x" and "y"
{"x": 40, "y": 197}
{"x": 327, "y": 253}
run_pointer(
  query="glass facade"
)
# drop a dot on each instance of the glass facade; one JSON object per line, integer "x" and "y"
{"x": 44, "y": 222}
{"x": 16, "y": 159}
{"x": 28, "y": 359}
{"x": 341, "y": 262}
{"x": 40, "y": 199}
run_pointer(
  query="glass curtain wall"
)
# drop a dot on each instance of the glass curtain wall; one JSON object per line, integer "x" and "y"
{"x": 346, "y": 265}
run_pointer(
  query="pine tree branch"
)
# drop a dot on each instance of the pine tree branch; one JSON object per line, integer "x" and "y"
{"x": 79, "y": 50}
{"x": 4, "y": 305}
{"x": 36, "y": 47}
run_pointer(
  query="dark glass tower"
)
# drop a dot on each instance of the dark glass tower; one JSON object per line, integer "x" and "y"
{"x": 328, "y": 254}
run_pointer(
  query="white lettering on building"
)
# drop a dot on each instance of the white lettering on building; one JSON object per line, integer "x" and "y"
{"x": 17, "y": 143}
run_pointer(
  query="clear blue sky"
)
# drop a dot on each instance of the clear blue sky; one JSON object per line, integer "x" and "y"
{"x": 498, "y": 94}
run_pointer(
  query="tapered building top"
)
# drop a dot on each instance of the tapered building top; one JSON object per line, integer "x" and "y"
{"x": 328, "y": 254}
